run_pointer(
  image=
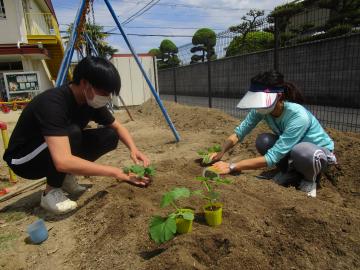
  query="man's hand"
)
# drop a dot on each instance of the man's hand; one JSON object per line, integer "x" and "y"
{"x": 137, "y": 156}
{"x": 222, "y": 167}
{"x": 139, "y": 182}
{"x": 131, "y": 178}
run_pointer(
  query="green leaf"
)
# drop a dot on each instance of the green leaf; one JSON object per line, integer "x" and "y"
{"x": 188, "y": 215}
{"x": 206, "y": 159}
{"x": 162, "y": 229}
{"x": 201, "y": 178}
{"x": 166, "y": 199}
{"x": 150, "y": 171}
{"x": 197, "y": 193}
{"x": 220, "y": 180}
{"x": 213, "y": 195}
{"x": 173, "y": 195}
{"x": 202, "y": 153}
{"x": 181, "y": 192}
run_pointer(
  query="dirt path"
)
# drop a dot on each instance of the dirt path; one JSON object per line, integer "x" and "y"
{"x": 265, "y": 226}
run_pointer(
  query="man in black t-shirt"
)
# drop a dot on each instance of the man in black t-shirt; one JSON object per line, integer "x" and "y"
{"x": 50, "y": 141}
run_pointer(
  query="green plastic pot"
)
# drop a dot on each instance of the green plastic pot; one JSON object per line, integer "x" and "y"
{"x": 183, "y": 225}
{"x": 213, "y": 217}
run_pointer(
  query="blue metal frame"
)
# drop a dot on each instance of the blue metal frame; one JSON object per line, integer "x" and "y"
{"x": 152, "y": 88}
{"x": 88, "y": 39}
{"x": 65, "y": 63}
{"x": 70, "y": 51}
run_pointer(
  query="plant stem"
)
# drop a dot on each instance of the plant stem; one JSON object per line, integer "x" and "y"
{"x": 174, "y": 205}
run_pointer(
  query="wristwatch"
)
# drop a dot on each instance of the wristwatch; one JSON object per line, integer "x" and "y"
{"x": 232, "y": 167}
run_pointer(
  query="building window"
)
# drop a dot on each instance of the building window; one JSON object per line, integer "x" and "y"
{"x": 2, "y": 10}
{"x": 8, "y": 66}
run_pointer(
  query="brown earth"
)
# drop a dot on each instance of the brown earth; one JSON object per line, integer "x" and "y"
{"x": 265, "y": 226}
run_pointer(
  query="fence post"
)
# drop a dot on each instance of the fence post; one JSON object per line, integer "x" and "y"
{"x": 209, "y": 83}
{"x": 174, "y": 80}
{"x": 277, "y": 44}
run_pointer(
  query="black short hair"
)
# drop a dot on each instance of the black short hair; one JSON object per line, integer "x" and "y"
{"x": 99, "y": 72}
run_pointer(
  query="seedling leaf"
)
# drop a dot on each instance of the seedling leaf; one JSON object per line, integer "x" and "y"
{"x": 140, "y": 171}
{"x": 188, "y": 216}
{"x": 162, "y": 229}
{"x": 181, "y": 193}
{"x": 174, "y": 195}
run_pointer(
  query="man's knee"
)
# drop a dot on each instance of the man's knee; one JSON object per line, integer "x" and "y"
{"x": 111, "y": 138}
{"x": 264, "y": 142}
{"x": 75, "y": 138}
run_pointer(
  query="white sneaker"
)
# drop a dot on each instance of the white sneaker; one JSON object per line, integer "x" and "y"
{"x": 71, "y": 186}
{"x": 55, "y": 201}
{"x": 308, "y": 187}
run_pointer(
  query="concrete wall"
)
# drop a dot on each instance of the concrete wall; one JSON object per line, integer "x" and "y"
{"x": 134, "y": 89}
{"x": 327, "y": 72}
{"x": 12, "y": 28}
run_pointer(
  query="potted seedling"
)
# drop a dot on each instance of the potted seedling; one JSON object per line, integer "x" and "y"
{"x": 140, "y": 171}
{"x": 212, "y": 209}
{"x": 206, "y": 154}
{"x": 180, "y": 220}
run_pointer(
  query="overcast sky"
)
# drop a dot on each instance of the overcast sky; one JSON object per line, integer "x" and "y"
{"x": 215, "y": 14}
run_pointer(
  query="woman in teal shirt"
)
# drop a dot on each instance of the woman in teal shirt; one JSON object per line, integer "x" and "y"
{"x": 298, "y": 145}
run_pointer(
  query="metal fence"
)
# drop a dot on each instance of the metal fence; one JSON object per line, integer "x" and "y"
{"x": 327, "y": 71}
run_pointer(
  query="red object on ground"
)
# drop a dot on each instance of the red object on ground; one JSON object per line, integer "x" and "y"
{"x": 3, "y": 125}
{"x": 4, "y": 191}
{"x": 5, "y": 109}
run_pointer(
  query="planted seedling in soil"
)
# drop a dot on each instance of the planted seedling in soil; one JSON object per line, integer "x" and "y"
{"x": 140, "y": 171}
{"x": 213, "y": 209}
{"x": 180, "y": 220}
{"x": 206, "y": 154}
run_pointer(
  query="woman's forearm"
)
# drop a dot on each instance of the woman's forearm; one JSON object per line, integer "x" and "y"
{"x": 229, "y": 143}
{"x": 251, "y": 164}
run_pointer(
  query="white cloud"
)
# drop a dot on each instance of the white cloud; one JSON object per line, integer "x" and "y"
{"x": 166, "y": 17}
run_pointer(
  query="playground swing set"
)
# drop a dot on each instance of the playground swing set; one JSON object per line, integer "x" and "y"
{"x": 75, "y": 36}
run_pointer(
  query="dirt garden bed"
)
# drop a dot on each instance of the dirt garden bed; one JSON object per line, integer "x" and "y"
{"x": 265, "y": 226}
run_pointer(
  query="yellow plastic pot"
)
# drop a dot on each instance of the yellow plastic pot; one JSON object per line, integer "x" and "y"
{"x": 213, "y": 217}
{"x": 183, "y": 225}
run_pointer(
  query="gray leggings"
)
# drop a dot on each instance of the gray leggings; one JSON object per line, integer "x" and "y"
{"x": 306, "y": 158}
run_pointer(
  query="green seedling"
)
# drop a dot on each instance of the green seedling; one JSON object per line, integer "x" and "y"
{"x": 206, "y": 154}
{"x": 140, "y": 171}
{"x": 210, "y": 184}
{"x": 164, "y": 229}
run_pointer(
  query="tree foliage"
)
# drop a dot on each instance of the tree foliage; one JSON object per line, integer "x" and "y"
{"x": 166, "y": 54}
{"x": 98, "y": 36}
{"x": 344, "y": 17}
{"x": 204, "y": 41}
{"x": 250, "y": 38}
{"x": 253, "y": 42}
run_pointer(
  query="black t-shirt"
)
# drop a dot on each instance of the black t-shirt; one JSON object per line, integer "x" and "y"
{"x": 50, "y": 114}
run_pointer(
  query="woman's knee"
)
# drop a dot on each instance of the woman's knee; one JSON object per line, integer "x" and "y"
{"x": 264, "y": 142}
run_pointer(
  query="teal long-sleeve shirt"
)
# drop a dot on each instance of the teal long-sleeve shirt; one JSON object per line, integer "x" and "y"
{"x": 296, "y": 124}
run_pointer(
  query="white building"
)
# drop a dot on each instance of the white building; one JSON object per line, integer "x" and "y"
{"x": 134, "y": 89}
{"x": 30, "y": 41}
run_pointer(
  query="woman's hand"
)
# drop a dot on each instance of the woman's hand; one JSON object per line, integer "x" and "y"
{"x": 215, "y": 157}
{"x": 222, "y": 167}
{"x": 137, "y": 156}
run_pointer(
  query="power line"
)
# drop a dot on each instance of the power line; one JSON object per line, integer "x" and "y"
{"x": 147, "y": 7}
{"x": 148, "y": 35}
{"x": 155, "y": 27}
{"x": 193, "y": 6}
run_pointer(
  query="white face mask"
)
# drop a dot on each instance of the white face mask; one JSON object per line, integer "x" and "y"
{"x": 97, "y": 101}
{"x": 265, "y": 111}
